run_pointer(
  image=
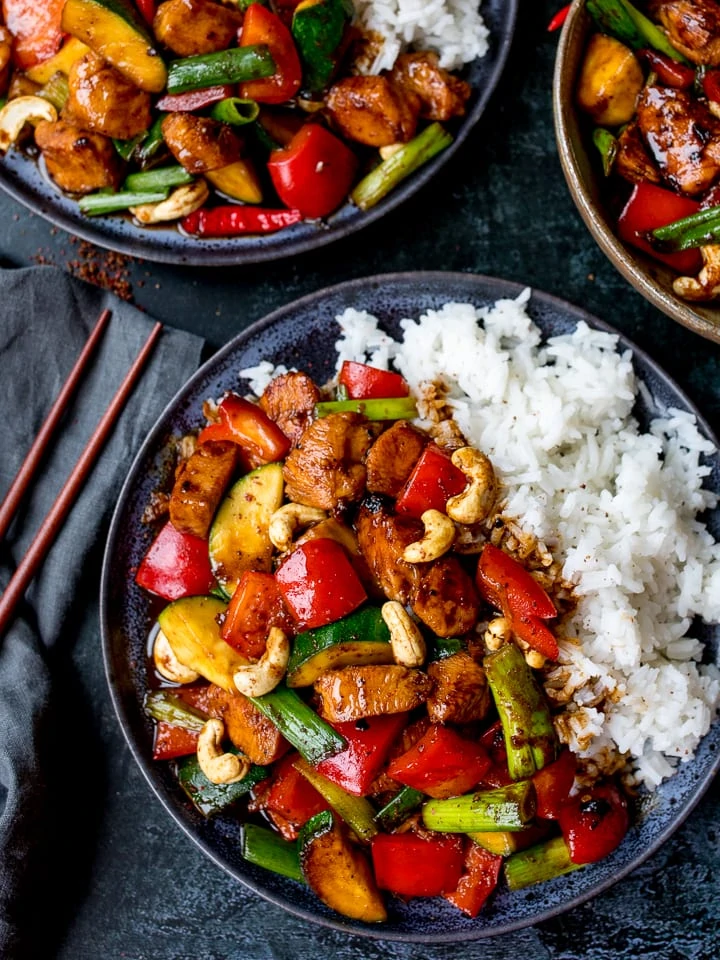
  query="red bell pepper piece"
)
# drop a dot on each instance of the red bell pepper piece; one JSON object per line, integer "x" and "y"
{"x": 292, "y": 797}
{"x": 650, "y": 207}
{"x": 256, "y": 605}
{"x": 441, "y": 763}
{"x": 262, "y": 26}
{"x": 147, "y": 9}
{"x": 172, "y": 741}
{"x": 314, "y": 173}
{"x": 247, "y": 424}
{"x": 434, "y": 479}
{"x": 368, "y": 744}
{"x": 594, "y": 823}
{"x": 559, "y": 19}
{"x": 364, "y": 382}
{"x": 711, "y": 85}
{"x": 36, "y": 29}
{"x": 482, "y": 870}
{"x": 553, "y": 785}
{"x": 176, "y": 565}
{"x": 236, "y": 221}
{"x": 493, "y": 741}
{"x": 414, "y": 866}
{"x": 319, "y": 584}
{"x": 194, "y": 99}
{"x": 669, "y": 71}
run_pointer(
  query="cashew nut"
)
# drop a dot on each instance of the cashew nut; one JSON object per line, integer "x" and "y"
{"x": 406, "y": 640}
{"x": 534, "y": 659}
{"x": 438, "y": 538}
{"x": 16, "y": 113}
{"x": 219, "y": 767}
{"x": 477, "y": 499}
{"x": 706, "y": 285}
{"x": 286, "y": 521}
{"x": 180, "y": 203}
{"x": 255, "y": 679}
{"x": 167, "y": 663}
{"x": 497, "y": 633}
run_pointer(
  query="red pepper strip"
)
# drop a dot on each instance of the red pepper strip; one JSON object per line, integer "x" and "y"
{"x": 594, "y": 823}
{"x": 669, "y": 71}
{"x": 431, "y": 484}
{"x": 364, "y": 382}
{"x": 711, "y": 85}
{"x": 292, "y": 797}
{"x": 368, "y": 744}
{"x": 172, "y": 741}
{"x": 553, "y": 785}
{"x": 36, "y": 29}
{"x": 256, "y": 605}
{"x": 441, "y": 763}
{"x": 235, "y": 221}
{"x": 482, "y": 870}
{"x": 194, "y": 99}
{"x": 500, "y": 576}
{"x": 559, "y": 19}
{"x": 262, "y": 26}
{"x": 147, "y": 9}
{"x": 176, "y": 565}
{"x": 247, "y": 425}
{"x": 414, "y": 866}
{"x": 314, "y": 173}
{"x": 650, "y": 207}
{"x": 319, "y": 584}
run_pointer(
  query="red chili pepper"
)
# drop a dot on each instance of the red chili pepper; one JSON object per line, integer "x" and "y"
{"x": 441, "y": 763}
{"x": 559, "y": 19}
{"x": 249, "y": 426}
{"x": 553, "y": 785}
{"x": 292, "y": 797}
{"x": 319, "y": 584}
{"x": 414, "y": 866}
{"x": 669, "y": 71}
{"x": 147, "y": 9}
{"x": 314, "y": 173}
{"x": 194, "y": 99}
{"x": 650, "y": 207}
{"x": 711, "y": 85}
{"x": 482, "y": 870}
{"x": 262, "y": 26}
{"x": 176, "y": 565}
{"x": 594, "y": 823}
{"x": 36, "y": 29}
{"x": 368, "y": 744}
{"x": 235, "y": 221}
{"x": 364, "y": 382}
{"x": 256, "y": 605}
{"x": 431, "y": 484}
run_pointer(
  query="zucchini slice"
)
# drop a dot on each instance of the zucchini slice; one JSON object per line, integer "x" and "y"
{"x": 192, "y": 630}
{"x": 114, "y": 30}
{"x": 318, "y": 28}
{"x": 211, "y": 798}
{"x": 338, "y": 871}
{"x": 239, "y": 538}
{"x": 361, "y": 638}
{"x": 63, "y": 60}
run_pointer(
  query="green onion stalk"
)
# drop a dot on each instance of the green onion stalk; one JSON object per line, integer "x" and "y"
{"x": 395, "y": 408}
{"x": 624, "y": 21}
{"x": 100, "y": 203}
{"x": 689, "y": 232}
{"x": 235, "y": 65}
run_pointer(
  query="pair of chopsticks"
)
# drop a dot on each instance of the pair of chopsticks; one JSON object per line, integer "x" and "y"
{"x": 53, "y": 522}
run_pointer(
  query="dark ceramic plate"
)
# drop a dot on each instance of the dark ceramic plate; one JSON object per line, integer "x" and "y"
{"x": 23, "y": 180}
{"x": 302, "y": 334}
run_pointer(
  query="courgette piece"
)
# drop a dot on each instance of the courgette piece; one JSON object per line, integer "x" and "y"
{"x": 312, "y": 737}
{"x": 361, "y": 638}
{"x": 338, "y": 871}
{"x": 114, "y": 30}
{"x": 267, "y": 849}
{"x": 318, "y": 28}
{"x": 357, "y": 812}
{"x": 399, "y": 808}
{"x": 211, "y": 798}
{"x": 238, "y": 180}
{"x": 239, "y": 538}
{"x": 192, "y": 630}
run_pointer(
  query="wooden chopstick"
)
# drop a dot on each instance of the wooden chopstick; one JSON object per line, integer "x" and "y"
{"x": 53, "y": 521}
{"x": 31, "y": 462}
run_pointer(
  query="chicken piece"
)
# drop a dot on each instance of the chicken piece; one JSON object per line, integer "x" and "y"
{"x": 683, "y": 137}
{"x": 446, "y": 599}
{"x": 441, "y": 94}
{"x": 289, "y": 400}
{"x": 693, "y": 28}
{"x": 392, "y": 457}
{"x": 78, "y": 161}
{"x": 373, "y": 110}
{"x": 200, "y": 483}
{"x": 382, "y": 538}
{"x": 6, "y": 40}
{"x": 355, "y": 692}
{"x": 326, "y": 467}
{"x": 191, "y": 27}
{"x": 248, "y": 729}
{"x": 632, "y": 161}
{"x": 103, "y": 101}
{"x": 461, "y": 693}
{"x": 199, "y": 143}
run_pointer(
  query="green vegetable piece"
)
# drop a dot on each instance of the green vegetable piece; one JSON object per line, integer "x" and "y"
{"x": 127, "y": 148}
{"x": 235, "y": 65}
{"x": 56, "y": 90}
{"x": 158, "y": 179}
{"x": 211, "y": 798}
{"x": 624, "y": 21}
{"x": 607, "y": 147}
{"x": 311, "y": 736}
{"x": 399, "y": 808}
{"x": 690, "y": 232}
{"x": 538, "y": 864}
{"x": 236, "y": 111}
{"x": 357, "y": 812}
{"x": 318, "y": 28}
{"x": 151, "y": 146}
{"x": 441, "y": 647}
{"x": 97, "y": 204}
{"x": 396, "y": 408}
{"x": 267, "y": 849}
{"x": 164, "y": 705}
{"x": 506, "y": 808}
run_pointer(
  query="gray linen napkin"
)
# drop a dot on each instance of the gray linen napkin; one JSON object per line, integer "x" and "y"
{"x": 45, "y": 751}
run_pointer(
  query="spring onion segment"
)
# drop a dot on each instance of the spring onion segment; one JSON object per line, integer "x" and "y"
{"x": 213, "y": 69}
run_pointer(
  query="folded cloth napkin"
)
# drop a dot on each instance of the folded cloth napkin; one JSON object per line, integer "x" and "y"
{"x": 45, "y": 319}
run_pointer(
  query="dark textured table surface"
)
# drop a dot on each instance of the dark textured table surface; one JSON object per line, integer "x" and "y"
{"x": 136, "y": 887}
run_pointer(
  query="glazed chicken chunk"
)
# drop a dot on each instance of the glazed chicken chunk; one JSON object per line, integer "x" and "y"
{"x": 77, "y": 160}
{"x": 200, "y": 483}
{"x": 632, "y": 161}
{"x": 103, "y": 101}
{"x": 373, "y": 110}
{"x": 289, "y": 400}
{"x": 392, "y": 458}
{"x": 442, "y": 95}
{"x": 200, "y": 144}
{"x": 693, "y": 28}
{"x": 191, "y": 27}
